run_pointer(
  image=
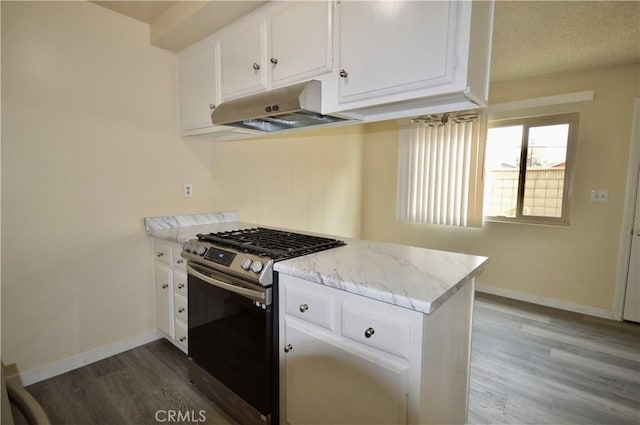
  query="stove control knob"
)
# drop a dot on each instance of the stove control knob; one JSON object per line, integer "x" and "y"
{"x": 256, "y": 267}
{"x": 200, "y": 250}
{"x": 246, "y": 264}
{"x": 185, "y": 246}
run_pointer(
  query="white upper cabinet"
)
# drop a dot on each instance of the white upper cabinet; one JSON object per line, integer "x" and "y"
{"x": 198, "y": 86}
{"x": 243, "y": 57}
{"x": 292, "y": 43}
{"x": 433, "y": 56}
{"x": 388, "y": 46}
{"x": 300, "y": 42}
{"x": 376, "y": 60}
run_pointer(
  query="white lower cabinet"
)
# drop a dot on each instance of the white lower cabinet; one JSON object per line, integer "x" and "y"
{"x": 327, "y": 382}
{"x": 347, "y": 359}
{"x": 164, "y": 309}
{"x": 171, "y": 293}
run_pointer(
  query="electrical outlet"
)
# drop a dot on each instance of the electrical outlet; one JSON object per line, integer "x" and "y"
{"x": 600, "y": 196}
{"x": 188, "y": 190}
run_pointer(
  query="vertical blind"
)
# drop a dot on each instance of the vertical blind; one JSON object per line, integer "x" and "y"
{"x": 439, "y": 174}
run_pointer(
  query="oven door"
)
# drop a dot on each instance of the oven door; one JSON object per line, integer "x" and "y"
{"x": 231, "y": 334}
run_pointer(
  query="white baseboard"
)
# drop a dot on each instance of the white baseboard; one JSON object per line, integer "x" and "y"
{"x": 548, "y": 302}
{"x": 49, "y": 371}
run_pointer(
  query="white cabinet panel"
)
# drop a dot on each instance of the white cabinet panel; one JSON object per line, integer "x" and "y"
{"x": 369, "y": 327}
{"x": 181, "y": 336}
{"x": 310, "y": 306}
{"x": 386, "y": 47}
{"x": 198, "y": 91}
{"x": 300, "y": 42}
{"x": 180, "y": 282}
{"x": 164, "y": 298}
{"x": 170, "y": 281}
{"x": 179, "y": 263}
{"x": 163, "y": 253}
{"x": 180, "y": 307}
{"x": 413, "y": 368}
{"x": 243, "y": 57}
{"x": 328, "y": 384}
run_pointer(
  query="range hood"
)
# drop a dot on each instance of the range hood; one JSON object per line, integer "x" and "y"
{"x": 280, "y": 109}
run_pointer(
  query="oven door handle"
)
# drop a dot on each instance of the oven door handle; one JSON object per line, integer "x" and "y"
{"x": 260, "y": 296}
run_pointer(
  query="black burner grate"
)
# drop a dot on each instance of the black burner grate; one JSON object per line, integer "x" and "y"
{"x": 276, "y": 244}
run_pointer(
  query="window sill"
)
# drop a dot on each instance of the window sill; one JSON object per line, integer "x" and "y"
{"x": 530, "y": 221}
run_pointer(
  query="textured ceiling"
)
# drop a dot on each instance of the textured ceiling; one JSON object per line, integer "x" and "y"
{"x": 537, "y": 38}
{"x": 531, "y": 38}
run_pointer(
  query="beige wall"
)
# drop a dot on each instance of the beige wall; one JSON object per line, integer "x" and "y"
{"x": 575, "y": 264}
{"x": 308, "y": 181}
{"x": 89, "y": 148}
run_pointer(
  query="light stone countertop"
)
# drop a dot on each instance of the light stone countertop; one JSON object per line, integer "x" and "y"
{"x": 188, "y": 220}
{"x": 183, "y": 234}
{"x": 419, "y": 279}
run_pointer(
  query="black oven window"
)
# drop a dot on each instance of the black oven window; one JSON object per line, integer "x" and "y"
{"x": 231, "y": 338}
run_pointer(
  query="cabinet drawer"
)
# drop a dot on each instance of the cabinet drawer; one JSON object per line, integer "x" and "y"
{"x": 180, "y": 306}
{"x": 162, "y": 252}
{"x": 310, "y": 306}
{"x": 390, "y": 335}
{"x": 179, "y": 263}
{"x": 180, "y": 282}
{"x": 181, "y": 336}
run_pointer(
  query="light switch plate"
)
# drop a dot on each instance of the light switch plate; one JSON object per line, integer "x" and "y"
{"x": 600, "y": 196}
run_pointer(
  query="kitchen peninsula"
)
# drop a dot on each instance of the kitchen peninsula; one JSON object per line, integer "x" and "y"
{"x": 369, "y": 332}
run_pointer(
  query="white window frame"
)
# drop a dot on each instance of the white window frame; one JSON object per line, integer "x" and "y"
{"x": 572, "y": 140}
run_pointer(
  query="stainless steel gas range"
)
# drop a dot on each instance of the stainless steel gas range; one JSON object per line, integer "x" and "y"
{"x": 233, "y": 321}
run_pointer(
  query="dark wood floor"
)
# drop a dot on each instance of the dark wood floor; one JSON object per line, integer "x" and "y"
{"x": 530, "y": 365}
{"x": 137, "y": 387}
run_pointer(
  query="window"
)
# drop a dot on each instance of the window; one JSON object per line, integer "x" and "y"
{"x": 528, "y": 169}
{"x": 439, "y": 176}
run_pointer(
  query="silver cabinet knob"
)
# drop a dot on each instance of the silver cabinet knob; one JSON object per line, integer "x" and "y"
{"x": 256, "y": 66}
{"x": 212, "y": 106}
{"x": 181, "y": 310}
{"x": 183, "y": 338}
{"x": 180, "y": 285}
{"x": 369, "y": 332}
{"x": 180, "y": 261}
{"x": 303, "y": 308}
{"x": 274, "y": 61}
{"x": 165, "y": 285}
{"x": 288, "y": 348}
{"x": 160, "y": 254}
{"x": 343, "y": 73}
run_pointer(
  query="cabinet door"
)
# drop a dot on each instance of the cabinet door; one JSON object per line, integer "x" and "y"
{"x": 162, "y": 252}
{"x": 197, "y": 79}
{"x": 391, "y": 47}
{"x": 164, "y": 297}
{"x": 181, "y": 336}
{"x": 328, "y": 384}
{"x": 242, "y": 58}
{"x": 300, "y": 42}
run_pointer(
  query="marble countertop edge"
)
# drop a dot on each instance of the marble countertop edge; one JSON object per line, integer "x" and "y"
{"x": 187, "y": 220}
